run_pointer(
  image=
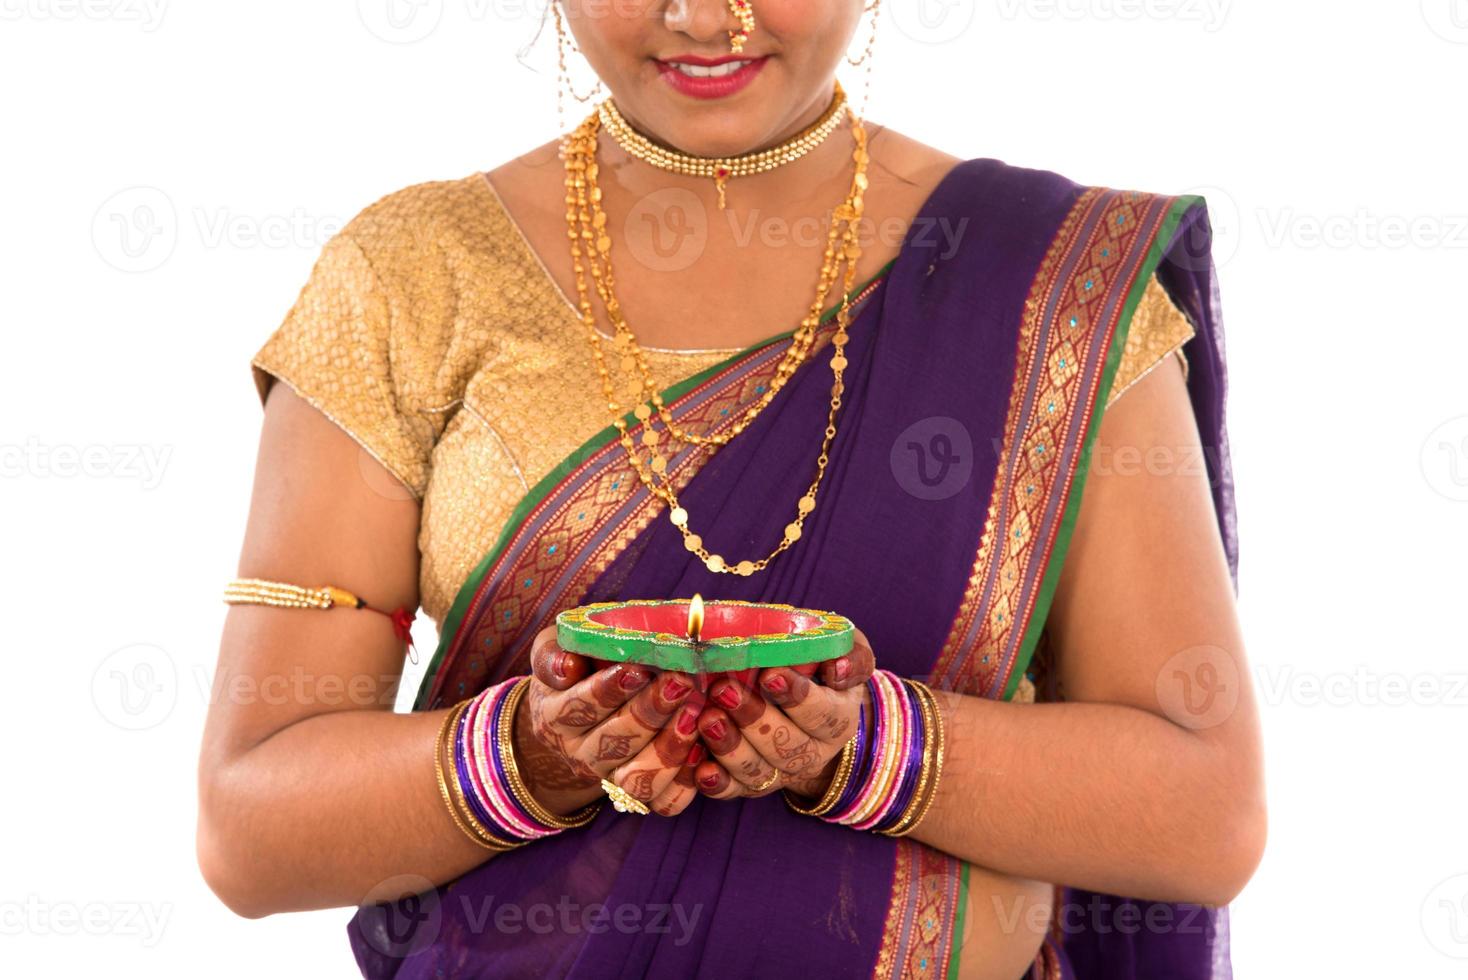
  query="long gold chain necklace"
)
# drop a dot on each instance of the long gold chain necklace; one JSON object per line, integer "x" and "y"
{"x": 590, "y": 252}
{"x": 723, "y": 169}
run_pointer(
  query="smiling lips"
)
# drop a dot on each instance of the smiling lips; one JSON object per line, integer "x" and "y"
{"x": 709, "y": 78}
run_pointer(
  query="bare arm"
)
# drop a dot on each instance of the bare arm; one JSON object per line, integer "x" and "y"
{"x": 312, "y": 792}
{"x": 1137, "y": 784}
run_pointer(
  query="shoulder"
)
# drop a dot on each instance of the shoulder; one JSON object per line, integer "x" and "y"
{"x": 413, "y": 231}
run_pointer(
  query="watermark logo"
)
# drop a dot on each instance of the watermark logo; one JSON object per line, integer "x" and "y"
{"x": 1217, "y": 239}
{"x": 136, "y": 687}
{"x": 1445, "y": 917}
{"x": 1445, "y": 459}
{"x": 401, "y": 928}
{"x": 1199, "y": 687}
{"x": 667, "y": 230}
{"x": 933, "y": 458}
{"x": 136, "y": 230}
{"x": 1448, "y": 19}
{"x": 933, "y": 21}
{"x": 400, "y": 21}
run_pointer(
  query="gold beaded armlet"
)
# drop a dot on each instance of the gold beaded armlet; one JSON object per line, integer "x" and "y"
{"x": 283, "y": 595}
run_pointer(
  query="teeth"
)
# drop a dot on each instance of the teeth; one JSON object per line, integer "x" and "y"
{"x": 709, "y": 71}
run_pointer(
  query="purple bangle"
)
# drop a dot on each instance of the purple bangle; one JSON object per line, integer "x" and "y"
{"x": 471, "y": 796}
{"x": 860, "y": 768}
{"x": 901, "y": 723}
{"x": 914, "y": 763}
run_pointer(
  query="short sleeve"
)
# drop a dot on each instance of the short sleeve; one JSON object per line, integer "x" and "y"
{"x": 1157, "y": 334}
{"x": 336, "y": 350}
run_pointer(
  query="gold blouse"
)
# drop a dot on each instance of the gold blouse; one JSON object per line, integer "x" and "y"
{"x": 431, "y": 332}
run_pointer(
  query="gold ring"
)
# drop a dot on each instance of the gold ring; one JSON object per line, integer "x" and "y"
{"x": 774, "y": 778}
{"x": 623, "y": 801}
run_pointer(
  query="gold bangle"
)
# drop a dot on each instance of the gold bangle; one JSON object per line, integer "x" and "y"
{"x": 469, "y": 829}
{"x": 839, "y": 781}
{"x": 505, "y": 735}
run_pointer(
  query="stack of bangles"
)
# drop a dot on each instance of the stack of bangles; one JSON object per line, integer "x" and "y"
{"x": 888, "y": 773}
{"x": 478, "y": 778}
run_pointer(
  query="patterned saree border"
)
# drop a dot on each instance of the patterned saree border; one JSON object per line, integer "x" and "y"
{"x": 929, "y": 893}
{"x": 1071, "y": 339}
{"x": 578, "y": 519}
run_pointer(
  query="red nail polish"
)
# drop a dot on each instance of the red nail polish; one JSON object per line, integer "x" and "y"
{"x": 675, "y": 689}
{"x": 728, "y": 697}
{"x": 688, "y": 721}
{"x": 776, "y": 684}
{"x": 716, "y": 730}
{"x": 696, "y": 754}
{"x": 631, "y": 680}
{"x": 558, "y": 664}
{"x": 842, "y": 669}
{"x": 711, "y": 781}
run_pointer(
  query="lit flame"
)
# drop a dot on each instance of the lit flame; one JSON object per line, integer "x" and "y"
{"x": 695, "y": 617}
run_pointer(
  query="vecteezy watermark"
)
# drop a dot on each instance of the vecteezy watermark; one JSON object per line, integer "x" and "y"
{"x": 410, "y": 21}
{"x": 1448, "y": 19}
{"x": 34, "y": 459}
{"x": 1445, "y": 459}
{"x": 933, "y": 458}
{"x": 1445, "y": 917}
{"x": 298, "y": 687}
{"x": 669, "y": 230}
{"x": 1361, "y": 687}
{"x": 1101, "y": 916}
{"x": 1364, "y": 229}
{"x": 408, "y": 924}
{"x": 932, "y": 21}
{"x": 1199, "y": 687}
{"x": 136, "y": 687}
{"x": 34, "y": 916}
{"x": 400, "y": 21}
{"x": 138, "y": 229}
{"x": 147, "y": 14}
{"x": 1211, "y": 14}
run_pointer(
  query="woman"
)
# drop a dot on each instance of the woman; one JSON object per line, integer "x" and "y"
{"x": 995, "y": 442}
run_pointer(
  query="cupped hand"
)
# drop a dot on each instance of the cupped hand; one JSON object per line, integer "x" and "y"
{"x": 786, "y": 730}
{"x": 628, "y": 723}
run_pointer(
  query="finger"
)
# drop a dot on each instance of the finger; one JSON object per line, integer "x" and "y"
{"x": 627, "y": 731}
{"x": 652, "y": 769}
{"x": 676, "y": 796}
{"x": 733, "y": 751}
{"x": 557, "y": 669}
{"x": 851, "y": 669}
{"x": 828, "y": 715}
{"x": 593, "y": 700}
{"x": 714, "y": 781}
{"x": 780, "y": 741}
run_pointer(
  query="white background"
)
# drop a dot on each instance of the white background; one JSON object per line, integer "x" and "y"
{"x": 240, "y": 135}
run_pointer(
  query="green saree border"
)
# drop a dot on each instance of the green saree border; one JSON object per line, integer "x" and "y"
{"x": 960, "y": 914}
{"x": 1054, "y": 563}
{"x": 543, "y": 487}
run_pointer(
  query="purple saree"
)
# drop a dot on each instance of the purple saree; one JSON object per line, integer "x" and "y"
{"x": 979, "y": 364}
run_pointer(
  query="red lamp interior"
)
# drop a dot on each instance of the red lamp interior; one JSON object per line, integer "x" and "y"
{"x": 719, "y": 620}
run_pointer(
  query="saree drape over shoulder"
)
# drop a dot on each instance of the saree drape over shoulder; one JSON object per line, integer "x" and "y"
{"x": 981, "y": 361}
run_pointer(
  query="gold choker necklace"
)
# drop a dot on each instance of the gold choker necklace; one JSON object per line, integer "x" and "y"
{"x": 721, "y": 169}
